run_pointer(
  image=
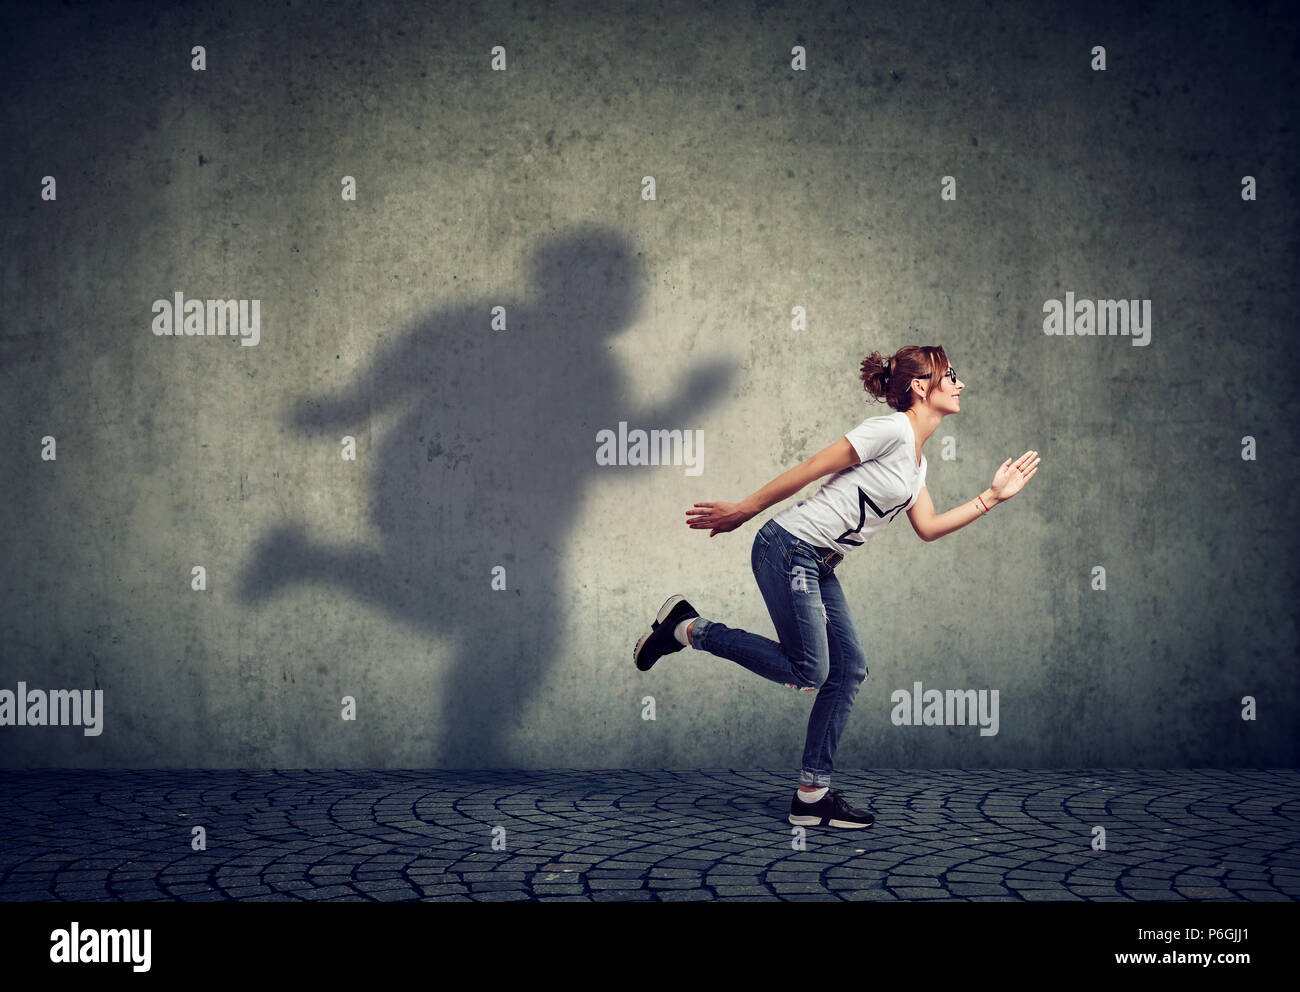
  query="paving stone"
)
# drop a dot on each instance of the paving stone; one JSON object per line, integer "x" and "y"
{"x": 381, "y": 885}
{"x": 598, "y": 884}
{"x": 673, "y": 883}
{"x": 330, "y": 892}
{"x": 244, "y": 891}
{"x": 976, "y": 889}
{"x": 442, "y": 889}
{"x": 1033, "y": 884}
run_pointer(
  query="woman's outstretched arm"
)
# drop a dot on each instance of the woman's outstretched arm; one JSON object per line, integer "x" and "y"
{"x": 722, "y": 517}
{"x": 1008, "y": 481}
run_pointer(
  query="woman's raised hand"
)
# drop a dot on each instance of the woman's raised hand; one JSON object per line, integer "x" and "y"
{"x": 1010, "y": 479}
{"x": 722, "y": 517}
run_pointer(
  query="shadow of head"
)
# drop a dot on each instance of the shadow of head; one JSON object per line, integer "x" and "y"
{"x": 590, "y": 273}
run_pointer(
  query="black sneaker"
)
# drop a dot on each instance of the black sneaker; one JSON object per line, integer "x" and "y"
{"x": 660, "y": 641}
{"x": 829, "y": 811}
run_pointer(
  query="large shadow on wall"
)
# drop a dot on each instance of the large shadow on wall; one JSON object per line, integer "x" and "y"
{"x": 488, "y": 465}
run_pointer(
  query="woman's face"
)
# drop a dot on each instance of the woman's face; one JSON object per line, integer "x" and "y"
{"x": 945, "y": 398}
{"x": 949, "y": 393}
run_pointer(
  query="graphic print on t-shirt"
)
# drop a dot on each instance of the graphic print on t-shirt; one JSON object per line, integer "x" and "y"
{"x": 849, "y": 536}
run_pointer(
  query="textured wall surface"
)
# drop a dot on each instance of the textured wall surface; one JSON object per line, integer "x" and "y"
{"x": 475, "y": 446}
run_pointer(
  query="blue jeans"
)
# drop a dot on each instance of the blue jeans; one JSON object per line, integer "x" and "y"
{"x": 819, "y": 646}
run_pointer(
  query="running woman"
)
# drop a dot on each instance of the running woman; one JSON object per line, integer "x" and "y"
{"x": 879, "y": 469}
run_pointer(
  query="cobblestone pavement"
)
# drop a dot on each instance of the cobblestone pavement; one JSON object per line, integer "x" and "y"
{"x": 712, "y": 834}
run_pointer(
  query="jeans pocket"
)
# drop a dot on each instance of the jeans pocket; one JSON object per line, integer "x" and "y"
{"x": 782, "y": 547}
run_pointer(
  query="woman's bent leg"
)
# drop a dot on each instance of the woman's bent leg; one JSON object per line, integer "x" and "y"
{"x": 790, "y": 589}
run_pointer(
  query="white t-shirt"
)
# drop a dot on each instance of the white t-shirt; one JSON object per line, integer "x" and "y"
{"x": 856, "y": 503}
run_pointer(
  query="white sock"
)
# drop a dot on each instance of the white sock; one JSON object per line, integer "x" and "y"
{"x": 679, "y": 631}
{"x": 812, "y": 797}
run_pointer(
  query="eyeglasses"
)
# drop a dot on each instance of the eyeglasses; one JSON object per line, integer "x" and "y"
{"x": 951, "y": 373}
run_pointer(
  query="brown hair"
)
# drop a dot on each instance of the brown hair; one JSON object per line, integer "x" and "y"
{"x": 905, "y": 365}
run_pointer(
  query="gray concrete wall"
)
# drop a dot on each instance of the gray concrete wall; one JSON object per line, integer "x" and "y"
{"x": 475, "y": 447}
